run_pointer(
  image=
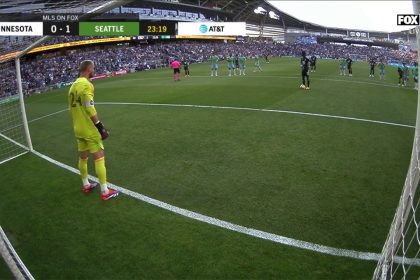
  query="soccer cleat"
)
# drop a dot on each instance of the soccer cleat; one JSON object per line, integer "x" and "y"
{"x": 89, "y": 188}
{"x": 111, "y": 194}
{"x": 307, "y": 88}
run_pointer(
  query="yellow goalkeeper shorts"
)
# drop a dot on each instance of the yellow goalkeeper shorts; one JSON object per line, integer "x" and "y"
{"x": 91, "y": 144}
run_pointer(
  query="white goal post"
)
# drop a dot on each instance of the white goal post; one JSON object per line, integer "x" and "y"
{"x": 15, "y": 138}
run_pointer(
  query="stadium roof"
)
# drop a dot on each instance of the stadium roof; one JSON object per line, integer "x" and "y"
{"x": 225, "y": 10}
{"x": 18, "y": 6}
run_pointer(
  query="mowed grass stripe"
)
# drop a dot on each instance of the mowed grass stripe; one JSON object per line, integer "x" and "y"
{"x": 265, "y": 165}
{"x": 234, "y": 227}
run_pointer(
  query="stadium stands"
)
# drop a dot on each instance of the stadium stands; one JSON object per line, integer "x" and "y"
{"x": 50, "y": 70}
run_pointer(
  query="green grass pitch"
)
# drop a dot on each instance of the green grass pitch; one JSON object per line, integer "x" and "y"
{"x": 330, "y": 181}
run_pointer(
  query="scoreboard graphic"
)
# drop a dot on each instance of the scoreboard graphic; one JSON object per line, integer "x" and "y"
{"x": 67, "y": 27}
{"x": 123, "y": 25}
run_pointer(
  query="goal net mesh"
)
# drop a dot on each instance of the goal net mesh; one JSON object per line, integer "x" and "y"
{"x": 11, "y": 123}
{"x": 14, "y": 135}
{"x": 400, "y": 255}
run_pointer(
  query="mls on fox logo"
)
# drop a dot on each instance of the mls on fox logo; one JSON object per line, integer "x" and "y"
{"x": 408, "y": 19}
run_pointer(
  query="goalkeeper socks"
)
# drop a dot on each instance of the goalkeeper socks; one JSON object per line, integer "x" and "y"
{"x": 83, "y": 168}
{"x": 101, "y": 173}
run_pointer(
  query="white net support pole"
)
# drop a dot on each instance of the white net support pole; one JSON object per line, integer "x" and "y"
{"x": 22, "y": 105}
{"x": 12, "y": 259}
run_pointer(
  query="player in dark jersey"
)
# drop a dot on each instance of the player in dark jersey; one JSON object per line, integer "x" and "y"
{"x": 236, "y": 60}
{"x": 372, "y": 64}
{"x": 304, "y": 64}
{"x": 186, "y": 65}
{"x": 267, "y": 58}
{"x": 400, "y": 76}
{"x": 350, "y": 66}
{"x": 313, "y": 63}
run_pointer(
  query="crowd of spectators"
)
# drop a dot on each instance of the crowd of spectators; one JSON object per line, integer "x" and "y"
{"x": 46, "y": 71}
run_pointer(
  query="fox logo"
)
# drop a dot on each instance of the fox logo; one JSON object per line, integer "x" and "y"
{"x": 408, "y": 19}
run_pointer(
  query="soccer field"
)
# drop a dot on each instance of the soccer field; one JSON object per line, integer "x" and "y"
{"x": 325, "y": 166}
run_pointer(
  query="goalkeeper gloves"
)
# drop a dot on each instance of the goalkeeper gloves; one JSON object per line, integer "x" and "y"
{"x": 102, "y": 130}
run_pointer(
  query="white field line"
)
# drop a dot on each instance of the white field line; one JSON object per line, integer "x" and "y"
{"x": 231, "y": 108}
{"x": 258, "y": 110}
{"x": 238, "y": 228}
{"x": 224, "y": 224}
{"x": 12, "y": 259}
{"x": 230, "y": 226}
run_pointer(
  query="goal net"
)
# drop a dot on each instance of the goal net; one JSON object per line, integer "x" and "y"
{"x": 12, "y": 126}
{"x": 15, "y": 138}
{"x": 400, "y": 254}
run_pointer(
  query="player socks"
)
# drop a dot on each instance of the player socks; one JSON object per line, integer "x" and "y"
{"x": 101, "y": 173}
{"x": 83, "y": 168}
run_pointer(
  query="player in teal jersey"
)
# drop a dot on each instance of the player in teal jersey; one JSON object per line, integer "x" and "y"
{"x": 242, "y": 66}
{"x": 257, "y": 64}
{"x": 415, "y": 75}
{"x": 405, "y": 74}
{"x": 343, "y": 64}
{"x": 214, "y": 66}
{"x": 381, "y": 67}
{"x": 231, "y": 66}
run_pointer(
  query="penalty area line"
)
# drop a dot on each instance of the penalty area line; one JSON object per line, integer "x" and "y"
{"x": 258, "y": 110}
{"x": 238, "y": 228}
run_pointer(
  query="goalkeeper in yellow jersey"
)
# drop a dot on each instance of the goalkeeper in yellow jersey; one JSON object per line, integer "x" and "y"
{"x": 88, "y": 129}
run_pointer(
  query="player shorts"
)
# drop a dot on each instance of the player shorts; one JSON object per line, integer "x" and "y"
{"x": 242, "y": 66}
{"x": 91, "y": 144}
{"x": 176, "y": 70}
{"x": 342, "y": 67}
{"x": 405, "y": 76}
{"x": 231, "y": 66}
{"x": 382, "y": 72}
{"x": 305, "y": 72}
{"x": 214, "y": 67}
